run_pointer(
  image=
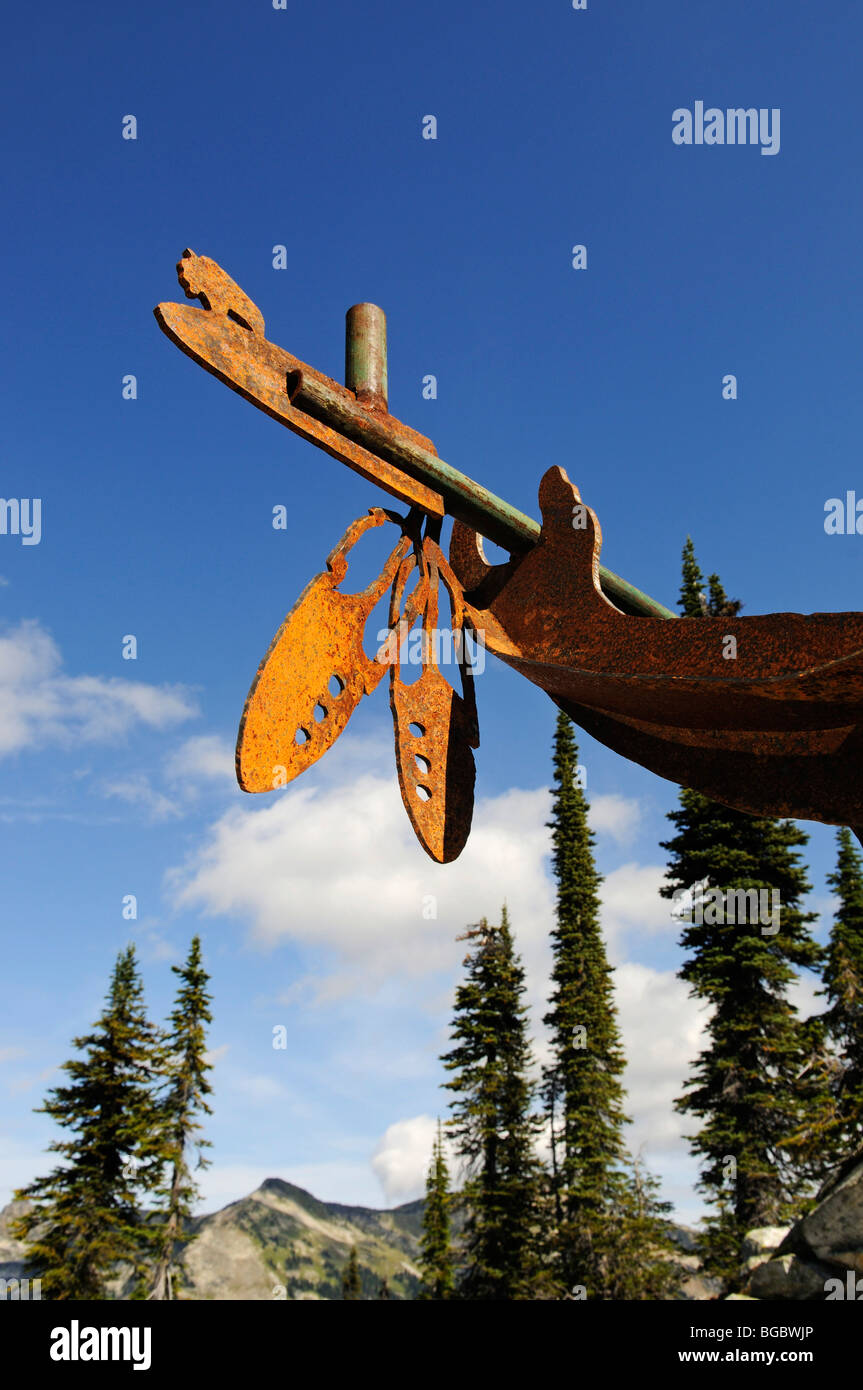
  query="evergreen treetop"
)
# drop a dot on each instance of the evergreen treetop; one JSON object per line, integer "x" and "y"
{"x": 843, "y": 980}
{"x": 492, "y": 1123}
{"x": 437, "y": 1259}
{"x": 183, "y": 1100}
{"x": 85, "y": 1216}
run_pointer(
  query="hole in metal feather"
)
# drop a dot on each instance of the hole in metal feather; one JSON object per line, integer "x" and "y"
{"x": 418, "y": 730}
{"x": 423, "y": 793}
{"x": 422, "y": 763}
{"x": 335, "y": 686}
{"x": 302, "y": 736}
{"x": 320, "y": 712}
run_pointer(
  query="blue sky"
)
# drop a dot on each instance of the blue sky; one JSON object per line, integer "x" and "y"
{"x": 302, "y": 127}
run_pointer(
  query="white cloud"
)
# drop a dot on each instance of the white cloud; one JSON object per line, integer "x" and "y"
{"x": 400, "y": 1161}
{"x": 40, "y": 704}
{"x": 661, "y": 1028}
{"x": 137, "y": 791}
{"x": 617, "y": 816}
{"x": 803, "y": 994}
{"x": 337, "y": 866}
{"x": 632, "y": 907}
{"x": 331, "y": 863}
{"x": 205, "y": 758}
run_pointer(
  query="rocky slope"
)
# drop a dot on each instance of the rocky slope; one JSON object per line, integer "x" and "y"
{"x": 281, "y": 1242}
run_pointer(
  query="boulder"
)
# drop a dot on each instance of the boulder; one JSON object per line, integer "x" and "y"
{"x": 763, "y": 1240}
{"x": 789, "y": 1277}
{"x": 759, "y": 1245}
{"x": 833, "y": 1230}
{"x": 699, "y": 1288}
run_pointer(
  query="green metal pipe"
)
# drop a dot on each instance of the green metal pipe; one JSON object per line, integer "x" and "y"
{"x": 490, "y": 515}
{"x": 366, "y": 355}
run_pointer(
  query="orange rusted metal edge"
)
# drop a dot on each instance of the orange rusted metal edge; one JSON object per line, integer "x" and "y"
{"x": 773, "y": 729}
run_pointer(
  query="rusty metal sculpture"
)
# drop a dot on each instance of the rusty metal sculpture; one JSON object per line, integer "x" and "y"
{"x": 775, "y": 731}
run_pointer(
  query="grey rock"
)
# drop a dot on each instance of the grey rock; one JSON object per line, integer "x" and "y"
{"x": 763, "y": 1240}
{"x": 697, "y": 1288}
{"x": 789, "y": 1277}
{"x": 833, "y": 1230}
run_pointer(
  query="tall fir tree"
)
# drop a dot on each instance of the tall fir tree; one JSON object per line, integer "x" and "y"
{"x": 747, "y": 1089}
{"x": 184, "y": 1100}
{"x": 436, "y": 1260}
{"x": 692, "y": 599}
{"x": 843, "y": 981}
{"x": 582, "y": 1084}
{"x": 608, "y": 1231}
{"x": 352, "y": 1288}
{"x": 86, "y": 1216}
{"x": 494, "y": 1129}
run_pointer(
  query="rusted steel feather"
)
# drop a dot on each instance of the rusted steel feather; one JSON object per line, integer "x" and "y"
{"x": 435, "y": 728}
{"x": 315, "y": 671}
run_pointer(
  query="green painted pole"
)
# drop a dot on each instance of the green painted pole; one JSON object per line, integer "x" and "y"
{"x": 368, "y": 423}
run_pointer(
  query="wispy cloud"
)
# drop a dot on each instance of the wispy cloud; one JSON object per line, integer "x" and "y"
{"x": 41, "y": 705}
{"x": 138, "y": 791}
{"x": 206, "y": 758}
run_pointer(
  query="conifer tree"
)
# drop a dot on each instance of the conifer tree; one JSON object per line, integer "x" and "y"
{"x": 183, "y": 1101}
{"x": 691, "y": 601}
{"x": 719, "y": 605}
{"x": 86, "y": 1215}
{"x": 582, "y": 1084}
{"x": 843, "y": 980}
{"x": 352, "y": 1289}
{"x": 609, "y": 1225}
{"x": 637, "y": 1261}
{"x": 492, "y": 1124}
{"x": 746, "y": 1088}
{"x": 436, "y": 1261}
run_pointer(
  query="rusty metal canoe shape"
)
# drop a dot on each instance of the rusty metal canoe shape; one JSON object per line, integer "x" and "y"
{"x": 760, "y": 713}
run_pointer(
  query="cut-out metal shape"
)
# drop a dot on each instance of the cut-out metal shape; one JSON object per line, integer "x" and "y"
{"x": 773, "y": 728}
{"x": 436, "y": 728}
{"x": 315, "y": 671}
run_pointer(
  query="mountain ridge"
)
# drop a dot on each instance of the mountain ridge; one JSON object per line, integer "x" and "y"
{"x": 279, "y": 1242}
